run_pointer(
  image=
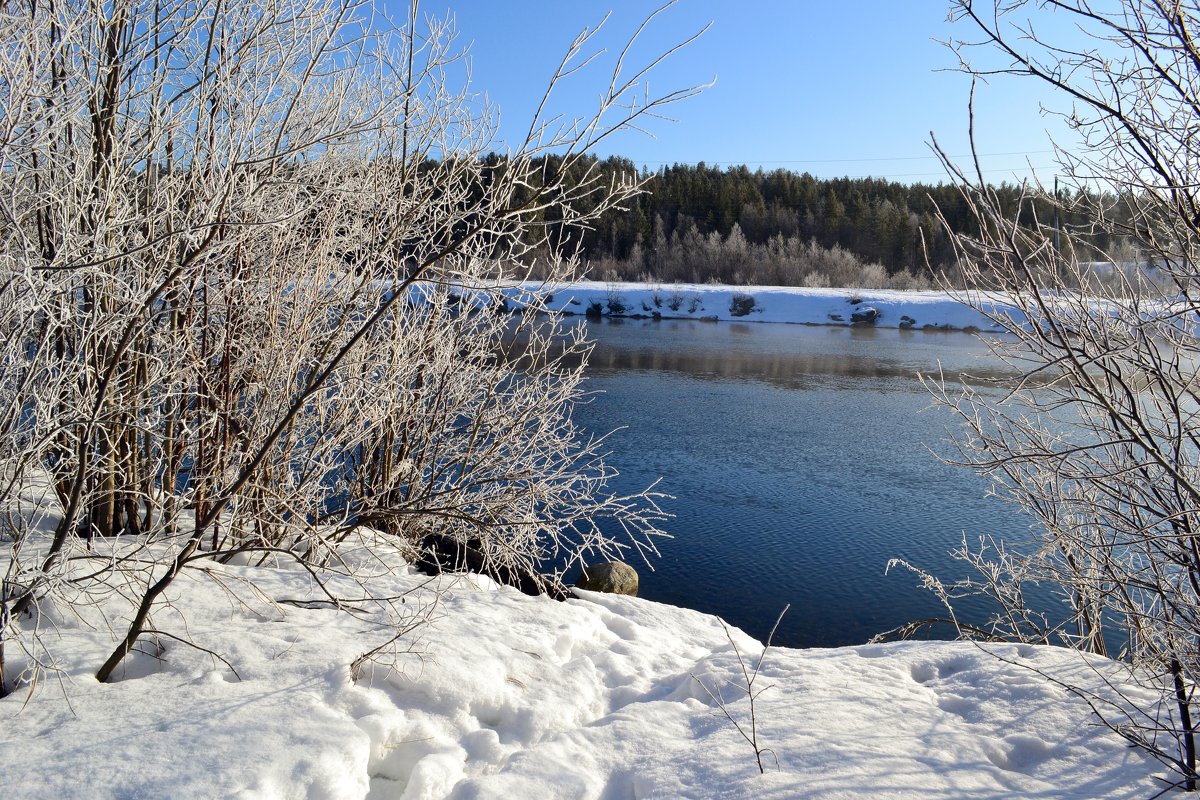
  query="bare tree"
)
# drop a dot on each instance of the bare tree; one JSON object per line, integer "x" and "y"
{"x": 1098, "y": 437}
{"x": 249, "y": 257}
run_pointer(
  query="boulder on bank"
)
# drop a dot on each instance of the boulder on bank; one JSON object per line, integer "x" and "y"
{"x": 614, "y": 577}
{"x": 864, "y": 315}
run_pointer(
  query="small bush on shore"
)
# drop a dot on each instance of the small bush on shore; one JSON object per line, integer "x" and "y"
{"x": 742, "y": 304}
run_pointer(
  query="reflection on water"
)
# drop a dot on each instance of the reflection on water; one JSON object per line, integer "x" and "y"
{"x": 800, "y": 460}
{"x": 788, "y": 355}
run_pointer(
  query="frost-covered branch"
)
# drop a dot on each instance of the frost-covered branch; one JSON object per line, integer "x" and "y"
{"x": 250, "y": 268}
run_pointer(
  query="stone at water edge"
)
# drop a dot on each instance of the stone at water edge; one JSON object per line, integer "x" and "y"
{"x": 614, "y": 577}
{"x": 865, "y": 314}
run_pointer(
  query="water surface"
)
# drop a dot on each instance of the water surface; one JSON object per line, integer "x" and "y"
{"x": 800, "y": 461}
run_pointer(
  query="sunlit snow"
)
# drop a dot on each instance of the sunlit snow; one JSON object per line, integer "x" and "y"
{"x": 502, "y": 695}
{"x": 810, "y": 306}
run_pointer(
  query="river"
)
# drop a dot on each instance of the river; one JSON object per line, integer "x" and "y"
{"x": 799, "y": 459}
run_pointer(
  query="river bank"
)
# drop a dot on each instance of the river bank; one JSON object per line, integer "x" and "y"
{"x": 920, "y": 310}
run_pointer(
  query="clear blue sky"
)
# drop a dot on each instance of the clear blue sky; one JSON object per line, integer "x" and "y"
{"x": 831, "y": 87}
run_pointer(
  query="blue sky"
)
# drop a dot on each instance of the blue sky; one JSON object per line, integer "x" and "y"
{"x": 831, "y": 87}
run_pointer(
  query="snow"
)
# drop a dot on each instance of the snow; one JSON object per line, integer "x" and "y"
{"x": 896, "y": 309}
{"x": 501, "y": 695}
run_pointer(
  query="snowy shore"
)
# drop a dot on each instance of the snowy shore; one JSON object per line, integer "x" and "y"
{"x": 881, "y": 308}
{"x": 506, "y": 696}
{"x": 500, "y": 695}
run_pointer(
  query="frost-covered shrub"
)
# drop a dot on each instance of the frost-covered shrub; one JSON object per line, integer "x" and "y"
{"x": 816, "y": 280}
{"x": 871, "y": 276}
{"x": 906, "y": 280}
{"x": 248, "y": 350}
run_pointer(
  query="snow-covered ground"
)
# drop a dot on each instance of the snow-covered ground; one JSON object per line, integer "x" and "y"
{"x": 882, "y": 308}
{"x": 506, "y": 696}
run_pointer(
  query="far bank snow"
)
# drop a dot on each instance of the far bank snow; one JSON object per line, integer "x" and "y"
{"x": 881, "y": 308}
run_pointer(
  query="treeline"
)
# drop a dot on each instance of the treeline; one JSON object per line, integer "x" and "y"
{"x": 700, "y": 223}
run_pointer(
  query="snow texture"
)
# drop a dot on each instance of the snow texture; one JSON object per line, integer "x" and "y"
{"x": 506, "y": 696}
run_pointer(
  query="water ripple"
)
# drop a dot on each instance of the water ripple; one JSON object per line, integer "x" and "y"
{"x": 800, "y": 466}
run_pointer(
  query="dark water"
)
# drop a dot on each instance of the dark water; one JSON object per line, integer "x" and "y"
{"x": 799, "y": 460}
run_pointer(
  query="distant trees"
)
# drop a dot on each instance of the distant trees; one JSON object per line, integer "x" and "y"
{"x": 247, "y": 268}
{"x": 699, "y": 223}
{"x": 692, "y": 257}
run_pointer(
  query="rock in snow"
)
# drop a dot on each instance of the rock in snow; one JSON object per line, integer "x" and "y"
{"x": 864, "y": 315}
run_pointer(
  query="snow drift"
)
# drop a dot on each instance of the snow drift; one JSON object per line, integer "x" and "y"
{"x": 501, "y": 695}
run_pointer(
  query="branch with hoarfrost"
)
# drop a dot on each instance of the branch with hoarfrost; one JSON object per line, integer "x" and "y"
{"x": 1097, "y": 438}
{"x": 248, "y": 282}
{"x": 1002, "y": 577}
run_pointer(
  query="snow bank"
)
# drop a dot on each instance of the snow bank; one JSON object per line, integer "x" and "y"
{"x": 507, "y": 696}
{"x": 882, "y": 308}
